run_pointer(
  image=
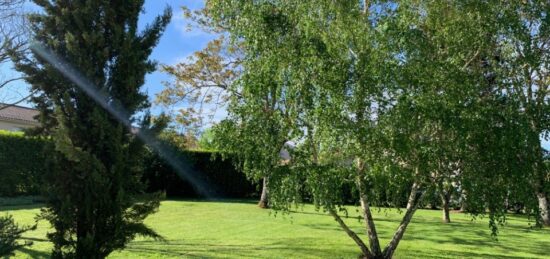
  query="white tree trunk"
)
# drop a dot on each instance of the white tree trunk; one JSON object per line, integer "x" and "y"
{"x": 544, "y": 209}
{"x": 264, "y": 198}
{"x": 412, "y": 205}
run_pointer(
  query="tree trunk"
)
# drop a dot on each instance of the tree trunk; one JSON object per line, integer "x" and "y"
{"x": 412, "y": 205}
{"x": 369, "y": 221}
{"x": 540, "y": 182}
{"x": 544, "y": 208}
{"x": 463, "y": 203}
{"x": 542, "y": 196}
{"x": 83, "y": 246}
{"x": 264, "y": 199}
{"x": 365, "y": 251}
{"x": 446, "y": 198}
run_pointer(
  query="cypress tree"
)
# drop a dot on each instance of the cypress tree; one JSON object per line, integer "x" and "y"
{"x": 95, "y": 200}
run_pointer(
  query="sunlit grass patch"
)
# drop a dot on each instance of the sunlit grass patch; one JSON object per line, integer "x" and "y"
{"x": 239, "y": 229}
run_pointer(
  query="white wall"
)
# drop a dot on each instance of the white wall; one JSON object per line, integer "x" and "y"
{"x": 13, "y": 126}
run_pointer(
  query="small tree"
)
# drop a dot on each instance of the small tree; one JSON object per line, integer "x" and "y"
{"x": 206, "y": 140}
{"x": 10, "y": 233}
{"x": 204, "y": 84}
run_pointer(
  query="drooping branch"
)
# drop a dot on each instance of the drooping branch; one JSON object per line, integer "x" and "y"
{"x": 366, "y": 6}
{"x": 9, "y": 5}
{"x": 13, "y": 37}
{"x": 467, "y": 64}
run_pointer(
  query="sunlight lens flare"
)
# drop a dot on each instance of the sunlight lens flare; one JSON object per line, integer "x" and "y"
{"x": 178, "y": 163}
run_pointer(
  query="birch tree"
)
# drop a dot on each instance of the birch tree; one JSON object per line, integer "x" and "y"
{"x": 382, "y": 95}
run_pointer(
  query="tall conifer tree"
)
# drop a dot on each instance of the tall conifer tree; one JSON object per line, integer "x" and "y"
{"x": 94, "y": 186}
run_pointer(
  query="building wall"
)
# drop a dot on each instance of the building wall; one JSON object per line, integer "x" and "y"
{"x": 14, "y": 126}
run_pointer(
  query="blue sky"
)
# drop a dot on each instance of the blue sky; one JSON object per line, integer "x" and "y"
{"x": 175, "y": 45}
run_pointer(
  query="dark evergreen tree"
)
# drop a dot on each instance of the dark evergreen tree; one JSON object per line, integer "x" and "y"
{"x": 95, "y": 202}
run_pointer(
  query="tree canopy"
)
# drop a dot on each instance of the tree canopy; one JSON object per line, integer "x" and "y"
{"x": 393, "y": 97}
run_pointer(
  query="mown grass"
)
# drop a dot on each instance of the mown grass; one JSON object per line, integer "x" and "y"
{"x": 239, "y": 229}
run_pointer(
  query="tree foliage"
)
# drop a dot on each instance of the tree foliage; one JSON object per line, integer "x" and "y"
{"x": 95, "y": 202}
{"x": 201, "y": 84}
{"x": 393, "y": 97}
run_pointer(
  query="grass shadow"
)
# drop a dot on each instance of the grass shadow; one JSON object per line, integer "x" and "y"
{"x": 9, "y": 208}
{"x": 33, "y": 253}
{"x": 295, "y": 247}
{"x": 217, "y": 200}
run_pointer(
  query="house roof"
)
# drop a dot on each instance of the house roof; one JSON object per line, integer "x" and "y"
{"x": 18, "y": 113}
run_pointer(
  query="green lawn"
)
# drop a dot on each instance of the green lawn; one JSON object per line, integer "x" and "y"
{"x": 197, "y": 229}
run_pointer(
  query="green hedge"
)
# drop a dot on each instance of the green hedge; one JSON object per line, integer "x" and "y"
{"x": 21, "y": 164}
{"x": 219, "y": 176}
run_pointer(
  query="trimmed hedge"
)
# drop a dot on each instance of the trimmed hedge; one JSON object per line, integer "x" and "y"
{"x": 220, "y": 176}
{"x": 21, "y": 164}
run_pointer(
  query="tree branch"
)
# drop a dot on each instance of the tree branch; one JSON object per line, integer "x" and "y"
{"x": 17, "y": 102}
{"x": 369, "y": 220}
{"x": 10, "y": 80}
{"x": 471, "y": 60}
{"x": 412, "y": 205}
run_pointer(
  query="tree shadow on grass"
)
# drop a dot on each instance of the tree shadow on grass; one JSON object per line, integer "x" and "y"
{"x": 455, "y": 254}
{"x": 33, "y": 253}
{"x": 294, "y": 247}
{"x": 35, "y": 239}
{"x": 462, "y": 234}
{"x": 21, "y": 207}
{"x": 217, "y": 200}
{"x": 314, "y": 213}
